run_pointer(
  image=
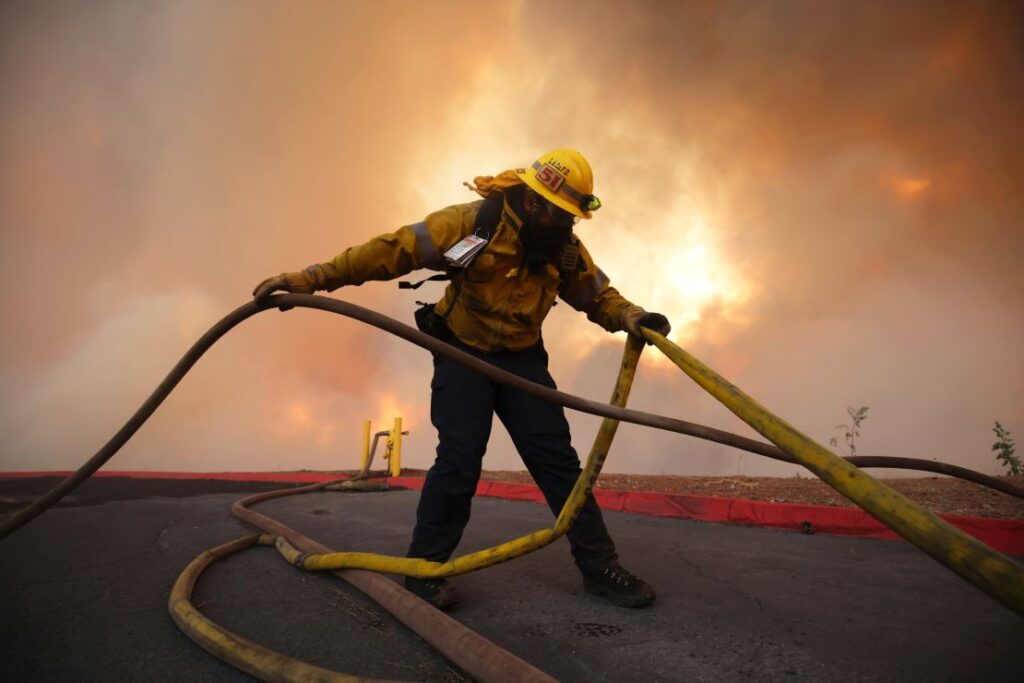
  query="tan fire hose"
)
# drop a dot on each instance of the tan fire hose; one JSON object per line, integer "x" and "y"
{"x": 286, "y": 302}
{"x": 482, "y": 660}
{"x": 987, "y": 569}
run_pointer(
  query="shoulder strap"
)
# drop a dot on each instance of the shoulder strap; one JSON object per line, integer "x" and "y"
{"x": 405, "y": 284}
{"x": 571, "y": 264}
{"x": 487, "y": 219}
{"x": 489, "y": 216}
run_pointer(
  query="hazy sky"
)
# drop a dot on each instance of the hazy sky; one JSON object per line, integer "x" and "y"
{"x": 825, "y": 198}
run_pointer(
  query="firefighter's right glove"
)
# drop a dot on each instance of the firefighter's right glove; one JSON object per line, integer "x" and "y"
{"x": 635, "y": 317}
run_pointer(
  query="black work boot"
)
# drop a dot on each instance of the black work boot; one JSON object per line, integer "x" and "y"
{"x": 438, "y": 592}
{"x": 610, "y": 580}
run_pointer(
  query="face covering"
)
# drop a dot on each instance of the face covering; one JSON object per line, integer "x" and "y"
{"x": 543, "y": 244}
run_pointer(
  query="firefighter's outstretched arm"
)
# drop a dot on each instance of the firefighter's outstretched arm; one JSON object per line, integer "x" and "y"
{"x": 385, "y": 257}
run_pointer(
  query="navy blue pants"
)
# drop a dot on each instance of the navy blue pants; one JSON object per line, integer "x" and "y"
{"x": 462, "y": 407}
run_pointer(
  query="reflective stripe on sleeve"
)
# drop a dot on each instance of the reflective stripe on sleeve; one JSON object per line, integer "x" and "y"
{"x": 426, "y": 250}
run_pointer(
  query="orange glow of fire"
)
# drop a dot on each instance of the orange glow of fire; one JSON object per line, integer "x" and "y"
{"x": 390, "y": 406}
{"x": 299, "y": 417}
{"x": 304, "y": 420}
{"x": 680, "y": 271}
{"x": 909, "y": 187}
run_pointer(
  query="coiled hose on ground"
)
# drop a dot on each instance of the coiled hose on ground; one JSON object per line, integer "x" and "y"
{"x": 985, "y": 568}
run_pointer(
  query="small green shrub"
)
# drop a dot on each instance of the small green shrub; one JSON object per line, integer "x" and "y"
{"x": 1005, "y": 450}
{"x": 851, "y": 431}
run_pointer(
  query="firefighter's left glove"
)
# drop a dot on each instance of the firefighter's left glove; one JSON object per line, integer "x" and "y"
{"x": 294, "y": 283}
{"x": 635, "y": 317}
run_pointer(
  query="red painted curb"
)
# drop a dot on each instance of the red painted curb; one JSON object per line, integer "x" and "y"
{"x": 1005, "y": 535}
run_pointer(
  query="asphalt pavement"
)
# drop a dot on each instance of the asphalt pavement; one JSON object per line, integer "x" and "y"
{"x": 84, "y": 588}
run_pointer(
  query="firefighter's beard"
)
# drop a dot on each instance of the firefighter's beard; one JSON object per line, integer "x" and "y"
{"x": 542, "y": 244}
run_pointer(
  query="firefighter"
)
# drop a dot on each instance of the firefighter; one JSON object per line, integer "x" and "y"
{"x": 493, "y": 308}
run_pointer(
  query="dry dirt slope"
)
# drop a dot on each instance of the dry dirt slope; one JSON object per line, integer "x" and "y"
{"x": 939, "y": 494}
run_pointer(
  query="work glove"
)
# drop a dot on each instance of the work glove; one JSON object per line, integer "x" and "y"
{"x": 295, "y": 283}
{"x": 634, "y": 317}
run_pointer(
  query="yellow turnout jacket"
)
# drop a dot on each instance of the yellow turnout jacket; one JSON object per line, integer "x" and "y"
{"x": 502, "y": 302}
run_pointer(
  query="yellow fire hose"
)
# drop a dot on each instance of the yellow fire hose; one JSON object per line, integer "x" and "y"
{"x": 286, "y": 302}
{"x": 985, "y": 568}
{"x": 480, "y": 658}
{"x": 509, "y": 550}
{"x": 246, "y": 655}
{"x": 270, "y": 665}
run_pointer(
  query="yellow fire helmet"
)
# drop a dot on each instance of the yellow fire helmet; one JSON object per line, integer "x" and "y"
{"x": 564, "y": 178}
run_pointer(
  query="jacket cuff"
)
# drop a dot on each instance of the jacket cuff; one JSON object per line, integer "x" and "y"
{"x": 323, "y": 276}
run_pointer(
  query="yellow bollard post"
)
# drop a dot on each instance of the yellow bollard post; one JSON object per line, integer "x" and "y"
{"x": 389, "y": 447}
{"x": 396, "y": 449}
{"x": 366, "y": 447}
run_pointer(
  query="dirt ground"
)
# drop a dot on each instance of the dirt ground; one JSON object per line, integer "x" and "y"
{"x": 941, "y": 495}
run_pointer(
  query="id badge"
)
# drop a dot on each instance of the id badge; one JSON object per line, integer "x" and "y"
{"x": 462, "y": 253}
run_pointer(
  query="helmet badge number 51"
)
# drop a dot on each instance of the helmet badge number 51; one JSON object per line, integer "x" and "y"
{"x": 551, "y": 178}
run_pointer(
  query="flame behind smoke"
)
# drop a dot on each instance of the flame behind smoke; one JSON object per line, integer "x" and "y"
{"x": 824, "y": 200}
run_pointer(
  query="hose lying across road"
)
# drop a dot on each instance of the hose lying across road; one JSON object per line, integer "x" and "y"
{"x": 288, "y": 301}
{"x": 474, "y": 654}
{"x": 985, "y": 568}
{"x": 477, "y": 656}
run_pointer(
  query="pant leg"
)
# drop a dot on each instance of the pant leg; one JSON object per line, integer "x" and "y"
{"x": 541, "y": 434}
{"x": 461, "y": 409}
